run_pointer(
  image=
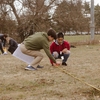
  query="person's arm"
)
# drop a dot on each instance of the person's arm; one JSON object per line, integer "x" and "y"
{"x": 47, "y": 51}
{"x": 51, "y": 50}
{"x": 64, "y": 50}
{"x": 66, "y": 47}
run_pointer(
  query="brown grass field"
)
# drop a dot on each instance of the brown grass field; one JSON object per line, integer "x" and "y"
{"x": 52, "y": 83}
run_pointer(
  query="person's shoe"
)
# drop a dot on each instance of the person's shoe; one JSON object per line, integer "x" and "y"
{"x": 5, "y": 53}
{"x": 30, "y": 68}
{"x": 39, "y": 66}
{"x": 63, "y": 63}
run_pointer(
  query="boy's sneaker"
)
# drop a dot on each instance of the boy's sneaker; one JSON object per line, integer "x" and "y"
{"x": 39, "y": 66}
{"x": 30, "y": 68}
{"x": 5, "y": 53}
{"x": 63, "y": 63}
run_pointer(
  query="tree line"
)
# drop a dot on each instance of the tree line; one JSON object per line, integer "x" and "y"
{"x": 22, "y": 18}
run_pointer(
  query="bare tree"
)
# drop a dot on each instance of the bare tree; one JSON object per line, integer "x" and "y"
{"x": 69, "y": 16}
{"x": 33, "y": 16}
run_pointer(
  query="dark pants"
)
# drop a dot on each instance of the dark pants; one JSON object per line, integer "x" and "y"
{"x": 64, "y": 55}
{"x": 1, "y": 48}
{"x": 12, "y": 49}
{"x": 13, "y": 46}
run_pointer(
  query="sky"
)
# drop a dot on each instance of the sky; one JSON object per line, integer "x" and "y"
{"x": 95, "y": 2}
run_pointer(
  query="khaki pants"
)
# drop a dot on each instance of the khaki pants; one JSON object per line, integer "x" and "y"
{"x": 36, "y": 54}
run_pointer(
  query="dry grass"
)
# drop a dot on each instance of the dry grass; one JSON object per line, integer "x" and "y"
{"x": 82, "y": 40}
{"x": 51, "y": 83}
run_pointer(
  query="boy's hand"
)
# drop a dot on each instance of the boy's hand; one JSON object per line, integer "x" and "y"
{"x": 56, "y": 64}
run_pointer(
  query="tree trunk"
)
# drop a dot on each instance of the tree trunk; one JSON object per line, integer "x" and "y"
{"x": 15, "y": 13}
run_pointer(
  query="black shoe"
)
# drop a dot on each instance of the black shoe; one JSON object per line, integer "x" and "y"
{"x": 63, "y": 63}
{"x": 39, "y": 66}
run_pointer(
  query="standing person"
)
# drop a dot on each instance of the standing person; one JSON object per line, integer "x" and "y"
{"x": 2, "y": 42}
{"x": 60, "y": 49}
{"x": 12, "y": 44}
{"x": 33, "y": 44}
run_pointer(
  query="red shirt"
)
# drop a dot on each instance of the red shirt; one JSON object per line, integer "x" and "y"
{"x": 56, "y": 47}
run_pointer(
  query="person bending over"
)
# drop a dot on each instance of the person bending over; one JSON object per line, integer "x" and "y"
{"x": 34, "y": 43}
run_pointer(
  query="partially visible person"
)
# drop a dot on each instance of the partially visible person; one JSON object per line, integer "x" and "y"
{"x": 2, "y": 42}
{"x": 60, "y": 49}
{"x": 34, "y": 43}
{"x": 12, "y": 44}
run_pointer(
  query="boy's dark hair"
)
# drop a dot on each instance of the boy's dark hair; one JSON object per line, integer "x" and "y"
{"x": 5, "y": 35}
{"x": 60, "y": 35}
{"x": 52, "y": 33}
